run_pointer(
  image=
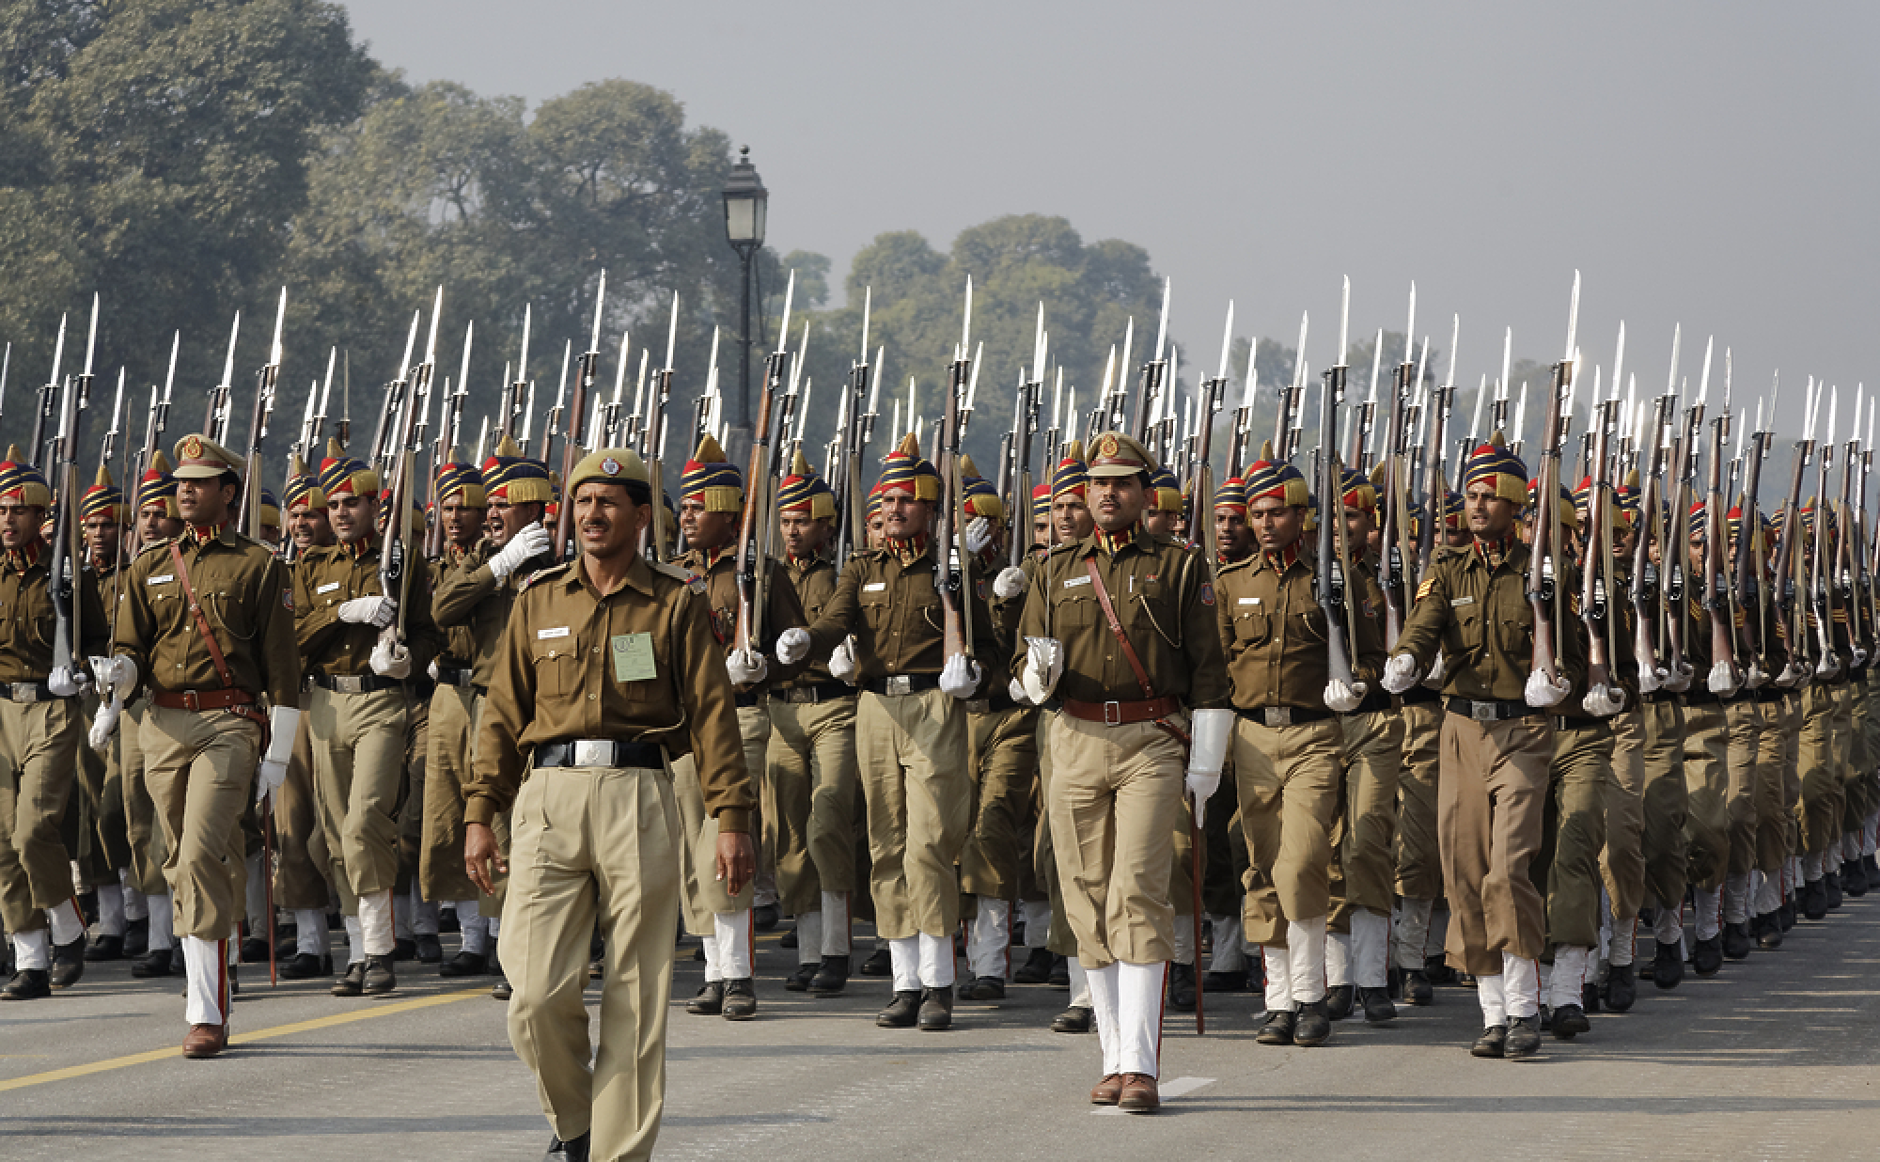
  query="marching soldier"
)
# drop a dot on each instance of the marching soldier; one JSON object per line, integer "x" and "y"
{"x": 1497, "y": 745}
{"x": 39, "y": 731}
{"x": 359, "y": 712}
{"x": 105, "y": 843}
{"x": 711, "y": 499}
{"x": 810, "y": 765}
{"x": 208, "y": 625}
{"x": 1120, "y": 628}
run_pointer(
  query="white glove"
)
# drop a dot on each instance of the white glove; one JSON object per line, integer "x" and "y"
{"x": 391, "y": 660}
{"x": 1400, "y": 673}
{"x": 1543, "y": 692}
{"x": 1829, "y": 666}
{"x": 842, "y": 660}
{"x": 1342, "y": 698}
{"x": 283, "y": 721}
{"x": 1722, "y": 680}
{"x": 104, "y": 726}
{"x": 1438, "y": 668}
{"x": 531, "y": 542}
{"x": 1016, "y": 691}
{"x": 1790, "y": 675}
{"x": 1650, "y": 679}
{"x": 746, "y": 666}
{"x": 1604, "y": 701}
{"x": 978, "y": 534}
{"x": 1860, "y": 656}
{"x": 1044, "y": 665}
{"x": 1009, "y": 583}
{"x": 120, "y": 673}
{"x": 268, "y": 779}
{"x": 432, "y": 669}
{"x": 960, "y": 676}
{"x": 792, "y": 646}
{"x": 1207, "y": 754}
{"x": 1755, "y": 678}
{"x": 376, "y": 612}
{"x": 66, "y": 681}
{"x": 1678, "y": 679}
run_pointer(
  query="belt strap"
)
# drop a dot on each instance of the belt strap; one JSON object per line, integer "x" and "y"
{"x": 1135, "y": 663}
{"x": 600, "y": 753}
{"x": 1124, "y": 713}
{"x": 900, "y": 685}
{"x": 27, "y": 692}
{"x": 199, "y": 700}
{"x": 353, "y": 683}
{"x": 1492, "y": 710}
{"x": 1284, "y": 715}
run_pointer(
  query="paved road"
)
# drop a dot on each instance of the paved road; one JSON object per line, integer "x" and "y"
{"x": 1773, "y": 1058}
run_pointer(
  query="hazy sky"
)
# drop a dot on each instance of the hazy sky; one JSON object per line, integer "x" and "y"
{"x": 1714, "y": 163}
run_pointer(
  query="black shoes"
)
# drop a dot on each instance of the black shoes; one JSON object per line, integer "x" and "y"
{"x": 832, "y": 976}
{"x": 936, "y": 1009}
{"x": 1707, "y": 956}
{"x": 1076, "y": 1019}
{"x": 1621, "y": 987}
{"x": 710, "y": 1001}
{"x": 404, "y": 948}
{"x": 254, "y": 950}
{"x": 1338, "y": 1001}
{"x": 1225, "y": 982}
{"x": 106, "y": 948}
{"x": 1060, "y": 973}
{"x": 1524, "y": 1035}
{"x": 740, "y": 999}
{"x": 28, "y": 984}
{"x": 1036, "y": 969}
{"x": 378, "y": 978}
{"x": 430, "y": 949}
{"x": 465, "y": 964}
{"x": 1311, "y": 1025}
{"x": 788, "y": 939}
{"x": 500, "y": 990}
{"x": 1814, "y": 901}
{"x": 68, "y": 963}
{"x": 1589, "y": 996}
{"x": 573, "y": 1151}
{"x": 1181, "y": 987}
{"x": 353, "y": 983}
{"x": 157, "y": 962}
{"x": 879, "y": 963}
{"x": 137, "y": 936}
{"x": 1416, "y": 987}
{"x": 1278, "y": 1029}
{"x": 1767, "y": 929}
{"x": 984, "y": 988}
{"x": 1491, "y": 1043}
{"x": 1569, "y": 1021}
{"x": 1377, "y": 1005}
{"x": 798, "y": 981}
{"x": 766, "y": 917}
{"x": 306, "y": 965}
{"x": 1832, "y": 883}
{"x": 901, "y": 1012}
{"x": 1667, "y": 965}
{"x": 1736, "y": 942}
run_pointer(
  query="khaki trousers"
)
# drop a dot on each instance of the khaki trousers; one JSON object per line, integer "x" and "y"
{"x": 1573, "y": 830}
{"x": 1115, "y": 799}
{"x": 359, "y": 748}
{"x": 149, "y": 851}
{"x": 1847, "y": 750}
{"x": 1288, "y": 779}
{"x": 410, "y": 815}
{"x": 1363, "y": 866}
{"x": 1622, "y": 860}
{"x": 38, "y": 752}
{"x": 450, "y": 734}
{"x": 1743, "y": 727}
{"x": 594, "y": 844}
{"x": 1044, "y": 852}
{"x": 704, "y": 894}
{"x": 1793, "y": 719}
{"x": 299, "y": 843}
{"x": 919, "y": 787}
{"x": 1489, "y": 809}
{"x": 1665, "y": 804}
{"x": 1773, "y": 814}
{"x": 1706, "y": 786}
{"x": 105, "y": 842}
{"x": 810, "y": 768}
{"x": 1821, "y": 779}
{"x": 201, "y": 771}
{"x": 1005, "y": 751}
{"x": 1419, "y": 866}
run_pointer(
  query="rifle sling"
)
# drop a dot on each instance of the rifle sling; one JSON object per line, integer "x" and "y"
{"x": 1129, "y": 651}
{"x": 208, "y": 636}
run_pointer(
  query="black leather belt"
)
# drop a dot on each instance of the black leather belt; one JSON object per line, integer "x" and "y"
{"x": 1770, "y": 693}
{"x": 26, "y": 692}
{"x": 1283, "y": 715}
{"x": 1696, "y": 697}
{"x": 1420, "y": 695}
{"x": 901, "y": 685}
{"x": 1376, "y": 702}
{"x": 456, "y": 676}
{"x": 996, "y": 702}
{"x": 814, "y": 693}
{"x": 1661, "y": 697}
{"x": 600, "y": 752}
{"x": 745, "y": 700}
{"x": 354, "y": 683}
{"x": 1576, "y": 722}
{"x": 1491, "y": 711}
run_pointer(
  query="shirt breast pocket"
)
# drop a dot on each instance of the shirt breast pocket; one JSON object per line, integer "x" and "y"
{"x": 1307, "y": 627}
{"x": 557, "y": 663}
{"x": 876, "y": 608}
{"x": 1253, "y": 627}
{"x": 1075, "y": 613}
{"x": 1463, "y": 638}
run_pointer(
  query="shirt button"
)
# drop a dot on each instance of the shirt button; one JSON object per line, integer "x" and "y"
{"x": 592, "y": 697}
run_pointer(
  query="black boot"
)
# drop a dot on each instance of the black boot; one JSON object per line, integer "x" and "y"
{"x": 1338, "y": 1000}
{"x": 831, "y": 977}
{"x": 740, "y": 1002}
{"x": 1181, "y": 987}
{"x": 936, "y": 1009}
{"x": 378, "y": 978}
{"x": 1524, "y": 1037}
{"x": 709, "y": 1002}
{"x": 1076, "y": 1019}
{"x": 137, "y": 937}
{"x": 1278, "y": 1029}
{"x": 1621, "y": 988}
{"x": 901, "y": 1012}
{"x": 1668, "y": 965}
{"x": 798, "y": 981}
{"x": 68, "y": 963}
{"x": 1311, "y": 1024}
{"x": 28, "y": 984}
{"x": 106, "y": 947}
{"x": 1736, "y": 942}
{"x": 1416, "y": 987}
{"x": 880, "y": 963}
{"x": 1569, "y": 1021}
{"x": 1377, "y": 1006}
{"x": 1491, "y": 1043}
{"x": 353, "y": 983}
{"x": 157, "y": 962}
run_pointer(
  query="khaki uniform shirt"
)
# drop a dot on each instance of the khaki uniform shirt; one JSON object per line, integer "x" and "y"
{"x": 637, "y": 665}
{"x": 888, "y": 600}
{"x": 1479, "y": 615}
{"x": 473, "y": 606}
{"x": 26, "y": 612}
{"x": 327, "y": 577}
{"x": 248, "y": 600}
{"x": 814, "y": 581}
{"x": 718, "y": 569}
{"x": 1274, "y": 634}
{"x": 1165, "y": 602}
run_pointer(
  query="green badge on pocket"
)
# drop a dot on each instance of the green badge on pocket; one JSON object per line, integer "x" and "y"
{"x": 633, "y": 657}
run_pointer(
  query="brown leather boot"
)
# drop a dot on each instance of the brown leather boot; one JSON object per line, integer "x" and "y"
{"x": 1139, "y": 1095}
{"x": 205, "y": 1040}
{"x": 1108, "y": 1090}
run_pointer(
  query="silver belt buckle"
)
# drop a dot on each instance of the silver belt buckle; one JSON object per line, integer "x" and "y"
{"x": 1112, "y": 714}
{"x": 27, "y": 693}
{"x": 900, "y": 685}
{"x": 800, "y": 697}
{"x": 348, "y": 684}
{"x": 1278, "y": 715}
{"x": 979, "y": 706}
{"x": 593, "y": 752}
{"x": 1484, "y": 711}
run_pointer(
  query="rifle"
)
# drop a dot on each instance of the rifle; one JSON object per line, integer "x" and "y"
{"x": 1644, "y": 587}
{"x": 395, "y": 556}
{"x": 949, "y": 569}
{"x": 248, "y": 520}
{"x": 1747, "y": 590}
{"x": 1395, "y": 503}
{"x": 1543, "y": 590}
{"x": 1435, "y": 480}
{"x": 1330, "y": 582}
{"x": 43, "y": 409}
{"x": 63, "y": 569}
{"x": 753, "y": 573}
{"x": 1820, "y": 597}
{"x": 1289, "y": 396}
{"x": 1595, "y": 584}
{"x": 1784, "y": 579}
{"x": 1716, "y": 581}
{"x": 215, "y": 419}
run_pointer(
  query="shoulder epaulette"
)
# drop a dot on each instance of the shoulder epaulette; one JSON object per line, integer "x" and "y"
{"x": 539, "y": 574}
{"x": 1245, "y": 562}
{"x": 682, "y": 576}
{"x": 1065, "y": 547}
{"x": 153, "y": 546}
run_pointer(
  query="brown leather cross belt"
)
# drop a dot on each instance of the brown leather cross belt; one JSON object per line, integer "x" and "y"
{"x": 1122, "y": 713}
{"x": 199, "y": 700}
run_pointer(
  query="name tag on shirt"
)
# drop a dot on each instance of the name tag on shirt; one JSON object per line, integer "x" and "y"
{"x": 1458, "y": 602}
{"x": 317, "y": 590}
{"x": 1074, "y": 582}
{"x": 165, "y": 579}
{"x": 542, "y": 635}
{"x": 874, "y": 587}
{"x": 1250, "y": 601}
{"x": 633, "y": 657}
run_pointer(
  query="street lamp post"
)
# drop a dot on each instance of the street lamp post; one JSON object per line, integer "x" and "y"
{"x": 746, "y": 200}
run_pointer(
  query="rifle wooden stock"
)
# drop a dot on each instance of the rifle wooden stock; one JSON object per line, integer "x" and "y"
{"x": 750, "y": 622}
{"x": 1332, "y": 598}
{"x": 947, "y": 579}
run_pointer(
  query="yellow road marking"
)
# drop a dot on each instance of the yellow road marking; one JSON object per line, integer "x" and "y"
{"x": 72, "y": 1071}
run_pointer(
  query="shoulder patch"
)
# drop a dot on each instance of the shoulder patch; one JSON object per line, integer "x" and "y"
{"x": 1423, "y": 590}
{"x": 540, "y": 574}
{"x": 287, "y": 598}
{"x": 684, "y": 577}
{"x": 1207, "y": 593}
